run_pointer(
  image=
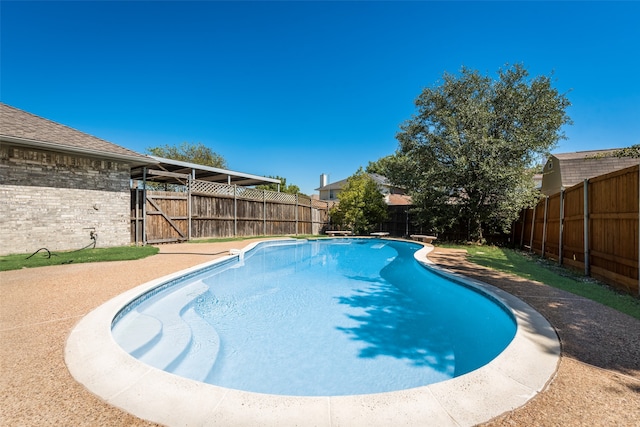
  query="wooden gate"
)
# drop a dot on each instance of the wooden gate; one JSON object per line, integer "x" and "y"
{"x": 167, "y": 217}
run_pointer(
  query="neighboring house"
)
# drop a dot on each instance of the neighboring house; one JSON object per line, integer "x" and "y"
{"x": 537, "y": 181}
{"x": 330, "y": 191}
{"x": 60, "y": 186}
{"x": 565, "y": 170}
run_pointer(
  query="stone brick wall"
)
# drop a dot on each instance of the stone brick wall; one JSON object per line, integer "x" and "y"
{"x": 55, "y": 200}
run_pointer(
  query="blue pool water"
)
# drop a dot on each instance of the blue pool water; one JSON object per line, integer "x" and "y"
{"x": 316, "y": 318}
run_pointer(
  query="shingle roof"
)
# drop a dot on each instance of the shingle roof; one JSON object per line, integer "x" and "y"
{"x": 576, "y": 167}
{"x": 398, "y": 200}
{"x": 23, "y": 126}
{"x": 590, "y": 154}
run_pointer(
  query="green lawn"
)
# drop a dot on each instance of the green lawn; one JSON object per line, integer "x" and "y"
{"x": 536, "y": 268}
{"x": 123, "y": 253}
{"x": 43, "y": 258}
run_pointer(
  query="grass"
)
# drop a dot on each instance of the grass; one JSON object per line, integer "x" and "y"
{"x": 44, "y": 258}
{"x": 539, "y": 269}
{"x": 123, "y": 253}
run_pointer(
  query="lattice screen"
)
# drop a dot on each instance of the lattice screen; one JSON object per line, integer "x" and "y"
{"x": 205, "y": 187}
{"x": 215, "y": 189}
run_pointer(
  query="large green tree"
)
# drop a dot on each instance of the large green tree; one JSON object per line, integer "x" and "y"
{"x": 361, "y": 205}
{"x": 189, "y": 152}
{"x": 468, "y": 151}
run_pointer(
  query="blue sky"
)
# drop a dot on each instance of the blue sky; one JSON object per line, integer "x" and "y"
{"x": 297, "y": 89}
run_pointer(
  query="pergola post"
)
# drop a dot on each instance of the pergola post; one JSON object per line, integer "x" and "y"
{"x": 190, "y": 180}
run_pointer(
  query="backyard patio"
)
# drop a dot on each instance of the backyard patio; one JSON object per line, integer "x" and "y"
{"x": 597, "y": 382}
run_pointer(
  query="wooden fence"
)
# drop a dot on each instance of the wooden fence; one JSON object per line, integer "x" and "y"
{"x": 604, "y": 242}
{"x": 208, "y": 210}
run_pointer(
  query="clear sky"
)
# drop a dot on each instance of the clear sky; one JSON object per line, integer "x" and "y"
{"x": 300, "y": 88}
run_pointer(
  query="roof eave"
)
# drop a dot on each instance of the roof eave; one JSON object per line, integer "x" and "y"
{"x": 134, "y": 160}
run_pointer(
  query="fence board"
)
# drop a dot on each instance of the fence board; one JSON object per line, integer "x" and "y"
{"x": 573, "y": 227}
{"x": 552, "y": 244}
{"x": 219, "y": 210}
{"x": 614, "y": 227}
{"x": 538, "y": 227}
{"x": 612, "y": 222}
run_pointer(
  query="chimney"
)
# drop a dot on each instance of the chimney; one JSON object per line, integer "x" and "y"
{"x": 324, "y": 180}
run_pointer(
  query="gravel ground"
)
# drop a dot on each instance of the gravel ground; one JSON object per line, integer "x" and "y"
{"x": 598, "y": 379}
{"x": 597, "y": 383}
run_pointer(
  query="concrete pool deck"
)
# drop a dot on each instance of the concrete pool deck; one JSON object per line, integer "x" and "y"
{"x": 597, "y": 382}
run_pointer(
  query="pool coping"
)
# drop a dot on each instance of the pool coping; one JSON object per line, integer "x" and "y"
{"x": 520, "y": 372}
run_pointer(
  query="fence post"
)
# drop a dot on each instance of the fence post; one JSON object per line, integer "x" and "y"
{"x": 264, "y": 212}
{"x": 533, "y": 223}
{"x": 310, "y": 216}
{"x": 189, "y": 212}
{"x": 587, "y": 267}
{"x": 524, "y": 218}
{"x": 144, "y": 206}
{"x": 561, "y": 226}
{"x": 406, "y": 224}
{"x": 235, "y": 210}
{"x": 544, "y": 225}
{"x": 296, "y": 214}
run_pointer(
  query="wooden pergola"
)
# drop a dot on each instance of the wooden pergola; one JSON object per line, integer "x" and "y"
{"x": 174, "y": 172}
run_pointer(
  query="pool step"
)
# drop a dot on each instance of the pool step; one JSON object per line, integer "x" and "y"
{"x": 176, "y": 335}
{"x": 137, "y": 333}
{"x": 201, "y": 355}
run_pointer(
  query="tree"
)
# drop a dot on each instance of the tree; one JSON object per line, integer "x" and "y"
{"x": 361, "y": 205}
{"x": 381, "y": 166}
{"x": 284, "y": 187}
{"x": 632, "y": 151}
{"x": 188, "y": 152}
{"x": 467, "y": 153}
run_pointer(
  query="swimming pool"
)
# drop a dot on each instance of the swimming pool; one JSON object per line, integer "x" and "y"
{"x": 512, "y": 378}
{"x": 325, "y": 317}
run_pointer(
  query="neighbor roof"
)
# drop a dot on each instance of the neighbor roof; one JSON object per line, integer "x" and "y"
{"x": 578, "y": 166}
{"x": 339, "y": 185}
{"x": 26, "y": 129}
{"x": 564, "y": 170}
{"x": 398, "y": 200}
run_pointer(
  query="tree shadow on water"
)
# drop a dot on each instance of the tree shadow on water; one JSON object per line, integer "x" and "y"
{"x": 393, "y": 324}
